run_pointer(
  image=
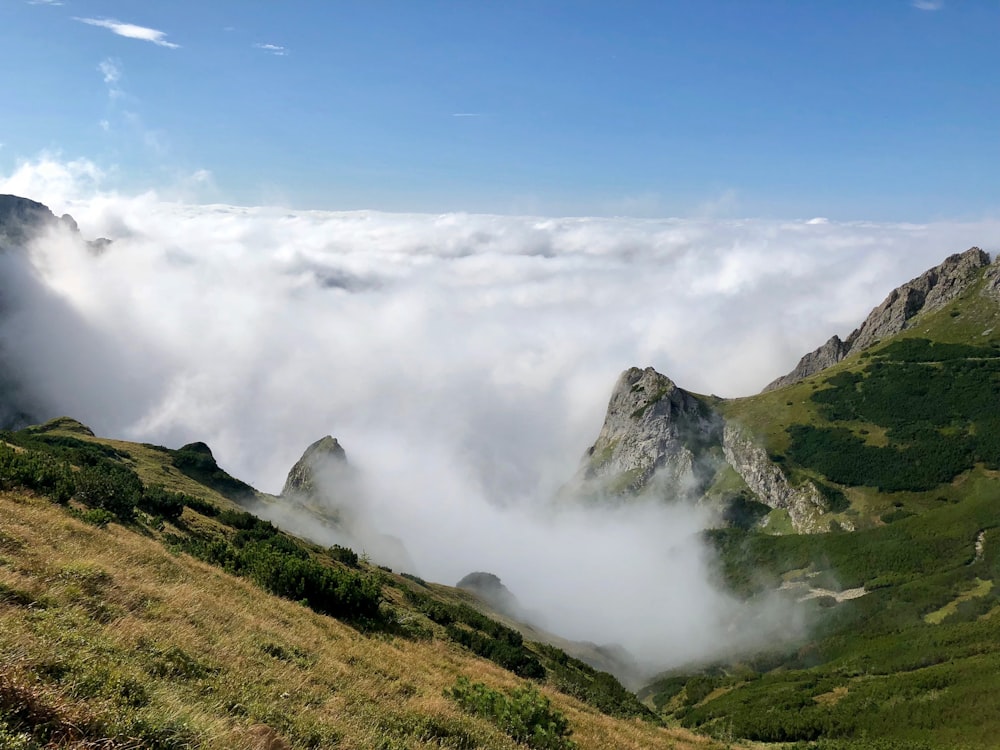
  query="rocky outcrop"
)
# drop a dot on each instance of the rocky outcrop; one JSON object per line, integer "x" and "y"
{"x": 22, "y": 219}
{"x": 930, "y": 291}
{"x": 804, "y": 503}
{"x": 991, "y": 280}
{"x": 491, "y": 590}
{"x": 303, "y": 478}
{"x": 652, "y": 429}
{"x": 830, "y": 353}
{"x": 324, "y": 500}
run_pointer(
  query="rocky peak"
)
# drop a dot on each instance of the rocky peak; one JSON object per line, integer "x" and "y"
{"x": 652, "y": 427}
{"x": 302, "y": 479}
{"x": 22, "y": 218}
{"x": 931, "y": 290}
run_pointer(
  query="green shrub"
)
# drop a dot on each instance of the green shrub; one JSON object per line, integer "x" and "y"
{"x": 97, "y": 517}
{"x": 281, "y": 565}
{"x": 601, "y": 690}
{"x": 513, "y": 658}
{"x": 36, "y": 471}
{"x": 344, "y": 555}
{"x": 113, "y": 488}
{"x": 524, "y": 714}
{"x": 158, "y": 501}
{"x": 698, "y": 688}
{"x": 936, "y": 403}
{"x": 483, "y": 636}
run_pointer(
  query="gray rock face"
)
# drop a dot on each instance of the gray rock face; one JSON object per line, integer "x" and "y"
{"x": 929, "y": 291}
{"x": 991, "y": 280}
{"x": 805, "y": 504}
{"x": 303, "y": 478}
{"x": 21, "y": 219}
{"x": 652, "y": 429}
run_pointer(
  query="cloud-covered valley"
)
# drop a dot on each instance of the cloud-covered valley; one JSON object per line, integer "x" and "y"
{"x": 464, "y": 362}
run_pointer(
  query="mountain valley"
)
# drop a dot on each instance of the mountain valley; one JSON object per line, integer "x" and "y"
{"x": 150, "y": 599}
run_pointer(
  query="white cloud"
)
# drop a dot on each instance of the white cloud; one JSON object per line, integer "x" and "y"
{"x": 464, "y": 361}
{"x": 131, "y": 31}
{"x": 63, "y": 182}
{"x": 45, "y": 2}
{"x": 274, "y": 49}
{"x": 928, "y": 4}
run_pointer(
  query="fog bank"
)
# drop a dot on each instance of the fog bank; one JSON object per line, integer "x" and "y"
{"x": 464, "y": 362}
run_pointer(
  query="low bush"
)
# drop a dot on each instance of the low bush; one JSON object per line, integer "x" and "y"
{"x": 524, "y": 714}
{"x": 280, "y": 565}
{"x": 36, "y": 471}
{"x": 115, "y": 489}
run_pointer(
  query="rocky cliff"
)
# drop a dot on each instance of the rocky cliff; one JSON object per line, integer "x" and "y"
{"x": 304, "y": 478}
{"x": 660, "y": 440}
{"x": 653, "y": 430}
{"x": 21, "y": 219}
{"x": 929, "y": 291}
{"x": 804, "y": 503}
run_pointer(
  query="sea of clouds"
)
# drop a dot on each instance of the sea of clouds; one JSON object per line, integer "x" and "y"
{"x": 464, "y": 362}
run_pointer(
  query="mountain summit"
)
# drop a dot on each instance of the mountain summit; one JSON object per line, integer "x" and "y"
{"x": 302, "y": 478}
{"x": 652, "y": 428}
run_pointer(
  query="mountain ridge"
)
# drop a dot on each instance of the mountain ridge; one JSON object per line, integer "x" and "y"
{"x": 931, "y": 290}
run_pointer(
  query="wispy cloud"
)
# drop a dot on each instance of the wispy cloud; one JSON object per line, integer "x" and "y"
{"x": 274, "y": 49}
{"x": 928, "y": 4}
{"x": 111, "y": 69}
{"x": 466, "y": 114}
{"x": 131, "y": 30}
{"x": 45, "y": 2}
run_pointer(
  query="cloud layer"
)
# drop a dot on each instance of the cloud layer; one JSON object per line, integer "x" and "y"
{"x": 464, "y": 361}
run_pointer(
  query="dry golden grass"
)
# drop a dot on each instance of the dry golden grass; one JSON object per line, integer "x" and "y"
{"x": 118, "y": 638}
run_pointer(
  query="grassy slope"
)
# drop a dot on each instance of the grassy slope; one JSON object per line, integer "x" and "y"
{"x": 105, "y": 633}
{"x": 769, "y": 415}
{"x": 914, "y": 662}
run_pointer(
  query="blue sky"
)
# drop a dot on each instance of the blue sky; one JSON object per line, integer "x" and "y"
{"x": 875, "y": 109}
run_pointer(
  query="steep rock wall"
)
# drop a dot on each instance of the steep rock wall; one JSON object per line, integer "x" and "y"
{"x": 652, "y": 429}
{"x": 804, "y": 503}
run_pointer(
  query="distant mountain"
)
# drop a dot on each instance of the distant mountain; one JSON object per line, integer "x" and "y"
{"x": 885, "y": 448}
{"x": 22, "y": 219}
{"x": 660, "y": 440}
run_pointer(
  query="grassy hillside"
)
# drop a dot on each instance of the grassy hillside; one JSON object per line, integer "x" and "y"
{"x": 140, "y": 607}
{"x": 905, "y": 645}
